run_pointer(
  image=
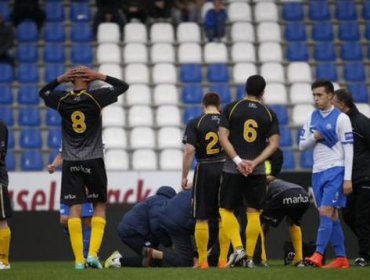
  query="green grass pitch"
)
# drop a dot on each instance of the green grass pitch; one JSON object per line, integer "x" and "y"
{"x": 65, "y": 270}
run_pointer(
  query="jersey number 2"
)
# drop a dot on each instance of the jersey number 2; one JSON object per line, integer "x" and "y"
{"x": 211, "y": 150}
{"x": 78, "y": 121}
{"x": 250, "y": 132}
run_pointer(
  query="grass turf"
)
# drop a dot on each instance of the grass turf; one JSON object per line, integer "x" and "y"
{"x": 65, "y": 270}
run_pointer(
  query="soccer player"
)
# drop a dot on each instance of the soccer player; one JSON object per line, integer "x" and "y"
{"x": 5, "y": 206}
{"x": 201, "y": 139}
{"x": 249, "y": 133}
{"x": 82, "y": 151}
{"x": 356, "y": 214}
{"x": 329, "y": 133}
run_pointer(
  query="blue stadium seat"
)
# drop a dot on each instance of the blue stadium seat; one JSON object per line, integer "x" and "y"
{"x": 281, "y": 112}
{"x": 319, "y": 10}
{"x": 307, "y": 159}
{"x": 6, "y": 73}
{"x": 191, "y": 73}
{"x": 54, "y": 32}
{"x": 28, "y": 94}
{"x": 293, "y": 11}
{"x": 192, "y": 93}
{"x": 81, "y": 32}
{"x": 351, "y": 51}
{"x": 32, "y": 160}
{"x": 53, "y": 70}
{"x": 27, "y": 32}
{"x": 322, "y": 31}
{"x": 30, "y": 138}
{"x": 6, "y": 114}
{"x": 223, "y": 91}
{"x": 27, "y": 52}
{"x": 28, "y": 73}
{"x": 218, "y": 73}
{"x": 366, "y": 10}
{"x": 349, "y": 31}
{"x": 54, "y": 11}
{"x": 285, "y": 137}
{"x": 240, "y": 91}
{"x": 289, "y": 160}
{"x": 5, "y": 11}
{"x": 11, "y": 139}
{"x": 6, "y": 94}
{"x": 54, "y": 53}
{"x": 54, "y": 138}
{"x": 367, "y": 31}
{"x": 354, "y": 72}
{"x": 29, "y": 116}
{"x": 295, "y": 31}
{"x": 327, "y": 71}
{"x": 191, "y": 113}
{"x": 345, "y": 10}
{"x": 359, "y": 92}
{"x": 53, "y": 118}
{"x": 82, "y": 53}
{"x": 11, "y": 163}
{"x": 324, "y": 51}
{"x": 80, "y": 12}
{"x": 297, "y": 51}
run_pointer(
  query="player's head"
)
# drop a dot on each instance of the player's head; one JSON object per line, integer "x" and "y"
{"x": 81, "y": 80}
{"x": 255, "y": 86}
{"x": 211, "y": 99}
{"x": 343, "y": 100}
{"x": 322, "y": 91}
{"x": 273, "y": 165}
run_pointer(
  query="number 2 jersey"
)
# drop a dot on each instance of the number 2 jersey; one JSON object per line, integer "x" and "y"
{"x": 250, "y": 124}
{"x": 81, "y": 117}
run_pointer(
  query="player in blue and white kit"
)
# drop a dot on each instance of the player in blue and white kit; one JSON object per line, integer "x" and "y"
{"x": 329, "y": 133}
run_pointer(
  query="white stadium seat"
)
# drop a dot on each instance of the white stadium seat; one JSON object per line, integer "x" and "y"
{"x": 170, "y": 159}
{"x": 165, "y": 94}
{"x": 243, "y": 52}
{"x": 239, "y": 11}
{"x": 275, "y": 93}
{"x": 300, "y": 93}
{"x": 189, "y": 53}
{"x": 137, "y": 73}
{"x": 140, "y": 115}
{"x": 301, "y": 113}
{"x": 108, "y": 32}
{"x": 168, "y": 115}
{"x": 273, "y": 72}
{"x": 111, "y": 69}
{"x": 242, "y": 32}
{"x": 298, "y": 72}
{"x": 144, "y": 159}
{"x": 215, "y": 53}
{"x": 162, "y": 53}
{"x": 116, "y": 160}
{"x": 268, "y": 32}
{"x": 138, "y": 94}
{"x": 169, "y": 137}
{"x": 113, "y": 116}
{"x": 164, "y": 73}
{"x": 114, "y": 138}
{"x": 135, "y": 53}
{"x": 364, "y": 108}
{"x": 270, "y": 52}
{"x": 241, "y": 71}
{"x": 161, "y": 32}
{"x": 108, "y": 53}
{"x": 142, "y": 137}
{"x": 188, "y": 32}
{"x": 135, "y": 32}
{"x": 266, "y": 11}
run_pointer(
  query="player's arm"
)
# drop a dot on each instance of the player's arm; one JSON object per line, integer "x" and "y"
{"x": 3, "y": 140}
{"x": 307, "y": 138}
{"x": 189, "y": 152}
{"x": 272, "y": 146}
{"x": 58, "y": 160}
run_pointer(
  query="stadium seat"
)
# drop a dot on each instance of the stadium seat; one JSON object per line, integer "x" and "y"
{"x": 53, "y": 70}
{"x": 114, "y": 138}
{"x": 6, "y": 115}
{"x": 275, "y": 93}
{"x": 299, "y": 72}
{"x": 142, "y": 138}
{"x": 54, "y": 11}
{"x": 359, "y": 92}
{"x": 116, "y": 160}
{"x": 6, "y": 73}
{"x": 135, "y": 53}
{"x": 165, "y": 94}
{"x": 326, "y": 71}
{"x": 364, "y": 108}
{"x": 6, "y": 94}
{"x": 293, "y": 11}
{"x": 191, "y": 113}
{"x": 270, "y": 52}
{"x": 192, "y": 94}
{"x": 32, "y": 160}
{"x": 266, "y": 11}
{"x": 272, "y": 72}
{"x": 11, "y": 139}
{"x": 82, "y": 54}
{"x": 5, "y": 10}
{"x": 297, "y": 51}
{"x": 108, "y": 32}
{"x": 54, "y": 138}
{"x": 322, "y": 31}
{"x": 111, "y": 69}
{"x": 161, "y": 32}
{"x": 191, "y": 73}
{"x": 29, "y": 116}
{"x": 300, "y": 113}
{"x": 11, "y": 162}
{"x": 27, "y": 52}
{"x": 170, "y": 159}
{"x": 281, "y": 112}
{"x": 108, "y": 53}
{"x": 138, "y": 95}
{"x": 243, "y": 52}
{"x": 289, "y": 160}
{"x": 169, "y": 137}
{"x": 319, "y": 10}
{"x": 164, "y": 73}
{"x": 240, "y": 91}
{"x": 162, "y": 53}
{"x": 300, "y": 93}
{"x": 306, "y": 159}
{"x": 140, "y": 115}
{"x": 27, "y": 32}
{"x": 54, "y": 32}
{"x": 162, "y": 115}
{"x": 345, "y": 10}
{"x": 28, "y": 73}
{"x": 188, "y": 32}
{"x": 367, "y": 31}
{"x": 215, "y": 53}
{"x": 144, "y": 159}
{"x": 30, "y": 138}
{"x": 80, "y": 11}
{"x": 351, "y": 51}
{"x": 54, "y": 53}
{"x": 268, "y": 32}
{"x": 114, "y": 116}
{"x": 243, "y": 70}
{"x": 324, "y": 51}
{"x": 242, "y": 32}
{"x": 285, "y": 136}
{"x": 189, "y": 53}
{"x": 137, "y": 74}
{"x": 295, "y": 31}
{"x": 218, "y": 73}
{"x": 349, "y": 31}
{"x": 135, "y": 32}
{"x": 81, "y": 32}
{"x": 354, "y": 72}
{"x": 366, "y": 10}
{"x": 53, "y": 118}
{"x": 239, "y": 11}
{"x": 223, "y": 90}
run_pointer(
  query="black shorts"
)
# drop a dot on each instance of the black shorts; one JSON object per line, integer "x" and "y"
{"x": 236, "y": 189}
{"x": 291, "y": 204}
{"x": 206, "y": 185}
{"x": 6, "y": 210}
{"x": 83, "y": 181}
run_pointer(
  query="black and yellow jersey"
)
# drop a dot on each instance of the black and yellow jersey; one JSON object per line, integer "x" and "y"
{"x": 3, "y": 151}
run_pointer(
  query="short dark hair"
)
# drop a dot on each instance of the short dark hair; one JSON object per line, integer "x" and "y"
{"x": 211, "y": 98}
{"x": 328, "y": 85}
{"x": 255, "y": 85}
{"x": 345, "y": 96}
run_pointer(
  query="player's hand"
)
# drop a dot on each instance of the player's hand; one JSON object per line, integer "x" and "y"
{"x": 184, "y": 183}
{"x": 250, "y": 166}
{"x": 68, "y": 76}
{"x": 317, "y": 135}
{"x": 242, "y": 168}
{"x": 347, "y": 187}
{"x": 51, "y": 168}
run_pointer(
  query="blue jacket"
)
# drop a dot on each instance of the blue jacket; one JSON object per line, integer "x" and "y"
{"x": 213, "y": 17}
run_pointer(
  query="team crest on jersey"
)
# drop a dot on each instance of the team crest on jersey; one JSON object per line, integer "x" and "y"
{"x": 329, "y": 126}
{"x": 77, "y": 98}
{"x": 252, "y": 105}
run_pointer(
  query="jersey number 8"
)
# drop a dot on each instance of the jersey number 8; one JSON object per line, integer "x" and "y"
{"x": 78, "y": 121}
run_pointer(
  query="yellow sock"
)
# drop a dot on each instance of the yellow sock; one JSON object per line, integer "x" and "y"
{"x": 97, "y": 233}
{"x": 201, "y": 240}
{"x": 5, "y": 235}
{"x": 76, "y": 238}
{"x": 224, "y": 244}
{"x": 263, "y": 246}
{"x": 231, "y": 226}
{"x": 296, "y": 237}
{"x": 253, "y": 230}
